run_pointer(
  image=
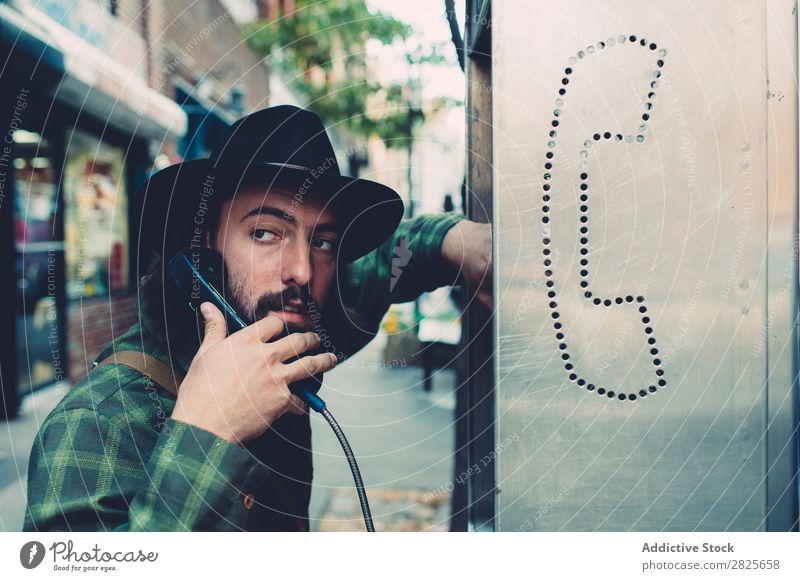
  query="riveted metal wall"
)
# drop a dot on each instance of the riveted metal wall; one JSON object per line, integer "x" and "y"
{"x": 645, "y": 191}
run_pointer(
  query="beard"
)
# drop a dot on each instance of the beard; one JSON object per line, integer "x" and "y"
{"x": 273, "y": 301}
{"x": 322, "y": 321}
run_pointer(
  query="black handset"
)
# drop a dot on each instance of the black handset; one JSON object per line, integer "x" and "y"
{"x": 198, "y": 273}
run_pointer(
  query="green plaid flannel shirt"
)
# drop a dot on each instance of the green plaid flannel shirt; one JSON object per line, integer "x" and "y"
{"x": 109, "y": 457}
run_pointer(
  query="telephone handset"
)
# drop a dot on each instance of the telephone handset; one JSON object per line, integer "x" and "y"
{"x": 198, "y": 273}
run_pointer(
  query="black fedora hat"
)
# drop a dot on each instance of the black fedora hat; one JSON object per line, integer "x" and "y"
{"x": 279, "y": 146}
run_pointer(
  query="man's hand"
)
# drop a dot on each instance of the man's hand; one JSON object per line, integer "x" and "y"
{"x": 237, "y": 386}
{"x": 467, "y": 247}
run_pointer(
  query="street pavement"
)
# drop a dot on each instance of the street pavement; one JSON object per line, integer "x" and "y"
{"x": 16, "y": 439}
{"x": 402, "y": 437}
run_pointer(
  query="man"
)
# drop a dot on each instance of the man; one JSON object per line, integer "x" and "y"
{"x": 192, "y": 432}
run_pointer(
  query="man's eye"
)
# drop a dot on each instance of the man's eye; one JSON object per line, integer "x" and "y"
{"x": 323, "y": 244}
{"x": 261, "y": 235}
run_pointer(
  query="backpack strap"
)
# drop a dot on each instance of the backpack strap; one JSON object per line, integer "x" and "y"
{"x": 149, "y": 366}
{"x": 163, "y": 375}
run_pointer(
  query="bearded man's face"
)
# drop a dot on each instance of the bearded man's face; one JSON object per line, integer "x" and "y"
{"x": 280, "y": 253}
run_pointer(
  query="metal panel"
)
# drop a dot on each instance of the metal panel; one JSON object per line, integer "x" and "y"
{"x": 476, "y": 414}
{"x": 781, "y": 324}
{"x": 638, "y": 248}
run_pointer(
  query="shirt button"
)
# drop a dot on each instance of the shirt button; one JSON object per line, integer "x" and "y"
{"x": 248, "y": 501}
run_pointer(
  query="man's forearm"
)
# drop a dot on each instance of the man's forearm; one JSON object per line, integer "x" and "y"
{"x": 406, "y": 265}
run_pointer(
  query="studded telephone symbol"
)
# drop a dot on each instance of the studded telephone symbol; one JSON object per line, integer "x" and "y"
{"x": 620, "y": 301}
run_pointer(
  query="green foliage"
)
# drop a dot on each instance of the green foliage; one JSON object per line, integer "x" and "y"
{"x": 321, "y": 47}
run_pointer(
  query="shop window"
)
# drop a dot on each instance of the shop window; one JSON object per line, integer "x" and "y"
{"x": 95, "y": 217}
{"x": 37, "y": 260}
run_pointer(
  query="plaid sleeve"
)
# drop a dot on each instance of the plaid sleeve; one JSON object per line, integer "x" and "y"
{"x": 86, "y": 474}
{"x": 196, "y": 481}
{"x": 406, "y": 265}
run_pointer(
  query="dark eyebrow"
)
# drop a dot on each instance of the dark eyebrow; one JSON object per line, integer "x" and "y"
{"x": 287, "y": 217}
{"x": 271, "y": 211}
{"x": 334, "y": 228}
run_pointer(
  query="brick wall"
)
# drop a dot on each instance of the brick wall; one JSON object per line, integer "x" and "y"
{"x": 91, "y": 324}
{"x": 189, "y": 40}
{"x": 129, "y": 12}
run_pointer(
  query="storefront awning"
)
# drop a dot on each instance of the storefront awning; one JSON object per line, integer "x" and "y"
{"x": 17, "y": 36}
{"x": 98, "y": 84}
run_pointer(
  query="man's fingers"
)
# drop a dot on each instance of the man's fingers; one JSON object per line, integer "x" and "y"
{"x": 486, "y": 298}
{"x": 485, "y": 281}
{"x": 215, "y": 327}
{"x": 293, "y": 345}
{"x": 308, "y": 366}
{"x": 266, "y": 328}
{"x": 297, "y": 406}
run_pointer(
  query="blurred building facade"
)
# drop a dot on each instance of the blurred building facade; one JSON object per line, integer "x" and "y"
{"x": 95, "y": 96}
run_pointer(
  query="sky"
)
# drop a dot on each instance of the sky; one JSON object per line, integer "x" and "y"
{"x": 430, "y": 26}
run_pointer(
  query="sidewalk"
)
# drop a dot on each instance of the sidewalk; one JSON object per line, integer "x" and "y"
{"x": 401, "y": 436}
{"x": 16, "y": 439}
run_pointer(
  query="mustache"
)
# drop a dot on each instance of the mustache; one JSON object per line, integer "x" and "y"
{"x": 277, "y": 301}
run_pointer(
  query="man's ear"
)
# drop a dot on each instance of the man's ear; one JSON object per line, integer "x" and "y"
{"x": 207, "y": 240}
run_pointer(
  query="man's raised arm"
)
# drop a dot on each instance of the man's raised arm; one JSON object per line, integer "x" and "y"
{"x": 423, "y": 254}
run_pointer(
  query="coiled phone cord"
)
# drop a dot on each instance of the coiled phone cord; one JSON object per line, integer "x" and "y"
{"x": 318, "y": 405}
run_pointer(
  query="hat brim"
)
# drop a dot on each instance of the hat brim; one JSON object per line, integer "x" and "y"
{"x": 188, "y": 192}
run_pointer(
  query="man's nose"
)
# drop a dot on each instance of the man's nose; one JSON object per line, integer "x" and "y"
{"x": 296, "y": 263}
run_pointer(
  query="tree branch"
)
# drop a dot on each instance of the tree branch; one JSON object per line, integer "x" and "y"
{"x": 455, "y": 33}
